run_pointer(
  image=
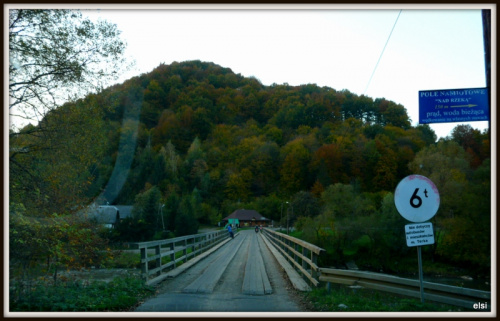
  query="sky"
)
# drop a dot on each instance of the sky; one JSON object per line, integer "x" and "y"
{"x": 391, "y": 51}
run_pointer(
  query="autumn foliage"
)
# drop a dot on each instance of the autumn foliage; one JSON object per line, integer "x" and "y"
{"x": 209, "y": 141}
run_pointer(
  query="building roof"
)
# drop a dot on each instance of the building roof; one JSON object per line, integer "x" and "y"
{"x": 125, "y": 210}
{"x": 104, "y": 214}
{"x": 246, "y": 215}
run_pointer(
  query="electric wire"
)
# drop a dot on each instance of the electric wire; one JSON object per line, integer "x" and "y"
{"x": 382, "y": 53}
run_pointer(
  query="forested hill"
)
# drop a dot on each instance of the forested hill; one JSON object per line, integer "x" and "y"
{"x": 204, "y": 141}
{"x": 197, "y": 125}
{"x": 255, "y": 140}
{"x": 198, "y": 96}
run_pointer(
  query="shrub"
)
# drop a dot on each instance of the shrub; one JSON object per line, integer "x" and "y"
{"x": 121, "y": 294}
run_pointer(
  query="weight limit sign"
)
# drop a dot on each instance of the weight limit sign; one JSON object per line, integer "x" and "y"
{"x": 416, "y": 198}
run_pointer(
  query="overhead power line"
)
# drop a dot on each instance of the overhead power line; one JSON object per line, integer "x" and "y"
{"x": 382, "y": 53}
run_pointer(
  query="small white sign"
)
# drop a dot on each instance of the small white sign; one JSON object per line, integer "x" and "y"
{"x": 416, "y": 198}
{"x": 419, "y": 234}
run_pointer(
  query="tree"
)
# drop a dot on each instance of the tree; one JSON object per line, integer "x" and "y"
{"x": 328, "y": 162}
{"x": 238, "y": 185}
{"x": 56, "y": 54}
{"x": 52, "y": 244}
{"x": 446, "y": 165}
{"x": 51, "y": 170}
{"x": 305, "y": 204}
{"x": 172, "y": 159}
{"x": 293, "y": 171}
{"x": 339, "y": 201}
{"x": 147, "y": 210}
{"x": 386, "y": 168}
{"x": 473, "y": 142}
{"x": 465, "y": 199}
{"x": 263, "y": 163}
{"x": 185, "y": 221}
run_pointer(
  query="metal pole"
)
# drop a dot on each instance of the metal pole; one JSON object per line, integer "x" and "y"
{"x": 161, "y": 214}
{"x": 420, "y": 273}
{"x": 281, "y": 217}
{"x": 486, "y": 17}
{"x": 158, "y": 216}
{"x": 287, "y": 209}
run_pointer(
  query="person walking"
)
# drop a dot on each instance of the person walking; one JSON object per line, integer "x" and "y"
{"x": 230, "y": 231}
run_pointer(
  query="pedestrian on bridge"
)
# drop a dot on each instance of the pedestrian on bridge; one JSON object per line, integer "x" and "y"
{"x": 230, "y": 231}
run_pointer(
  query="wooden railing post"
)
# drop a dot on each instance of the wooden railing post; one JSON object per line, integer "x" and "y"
{"x": 314, "y": 260}
{"x": 184, "y": 252}
{"x": 144, "y": 263}
{"x": 172, "y": 254}
{"x": 158, "y": 258}
{"x": 304, "y": 254}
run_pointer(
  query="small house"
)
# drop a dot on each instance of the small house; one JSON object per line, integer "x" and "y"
{"x": 107, "y": 215}
{"x": 247, "y": 218}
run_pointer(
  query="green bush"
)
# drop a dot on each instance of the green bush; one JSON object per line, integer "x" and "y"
{"x": 121, "y": 294}
{"x": 125, "y": 260}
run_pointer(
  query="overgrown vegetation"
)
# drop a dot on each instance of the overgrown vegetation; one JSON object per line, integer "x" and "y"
{"x": 121, "y": 294}
{"x": 341, "y": 298}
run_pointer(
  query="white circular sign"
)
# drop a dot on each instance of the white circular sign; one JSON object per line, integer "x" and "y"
{"x": 416, "y": 198}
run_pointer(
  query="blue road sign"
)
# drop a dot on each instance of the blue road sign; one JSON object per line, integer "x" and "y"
{"x": 453, "y": 105}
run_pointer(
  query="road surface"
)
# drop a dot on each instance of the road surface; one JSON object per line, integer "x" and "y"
{"x": 241, "y": 276}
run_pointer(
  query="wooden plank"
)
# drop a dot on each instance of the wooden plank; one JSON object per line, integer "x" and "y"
{"x": 297, "y": 281}
{"x": 255, "y": 280}
{"x": 311, "y": 247}
{"x": 206, "y": 282}
{"x": 175, "y": 272}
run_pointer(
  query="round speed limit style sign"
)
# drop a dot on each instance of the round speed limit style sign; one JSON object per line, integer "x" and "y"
{"x": 416, "y": 198}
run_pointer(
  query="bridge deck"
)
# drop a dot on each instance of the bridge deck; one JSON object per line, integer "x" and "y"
{"x": 241, "y": 276}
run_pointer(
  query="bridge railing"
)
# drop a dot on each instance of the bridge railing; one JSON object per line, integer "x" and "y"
{"x": 165, "y": 255}
{"x": 302, "y": 255}
{"x": 442, "y": 293}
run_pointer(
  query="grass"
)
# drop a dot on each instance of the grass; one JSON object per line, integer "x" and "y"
{"x": 121, "y": 294}
{"x": 341, "y": 298}
{"x": 125, "y": 260}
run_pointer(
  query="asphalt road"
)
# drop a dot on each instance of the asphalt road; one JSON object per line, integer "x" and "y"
{"x": 241, "y": 276}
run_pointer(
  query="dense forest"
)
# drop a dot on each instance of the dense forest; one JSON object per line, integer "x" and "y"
{"x": 205, "y": 141}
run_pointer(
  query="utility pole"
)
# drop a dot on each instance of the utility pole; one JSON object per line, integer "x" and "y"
{"x": 281, "y": 217}
{"x": 486, "y": 16}
{"x": 161, "y": 214}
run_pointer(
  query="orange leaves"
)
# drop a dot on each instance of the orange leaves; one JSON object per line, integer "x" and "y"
{"x": 317, "y": 189}
{"x": 330, "y": 156}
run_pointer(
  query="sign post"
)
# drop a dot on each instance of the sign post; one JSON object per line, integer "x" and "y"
{"x": 418, "y": 235}
{"x": 417, "y": 200}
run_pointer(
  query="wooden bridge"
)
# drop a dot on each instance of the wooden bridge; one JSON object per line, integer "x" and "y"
{"x": 244, "y": 274}
{"x": 258, "y": 272}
